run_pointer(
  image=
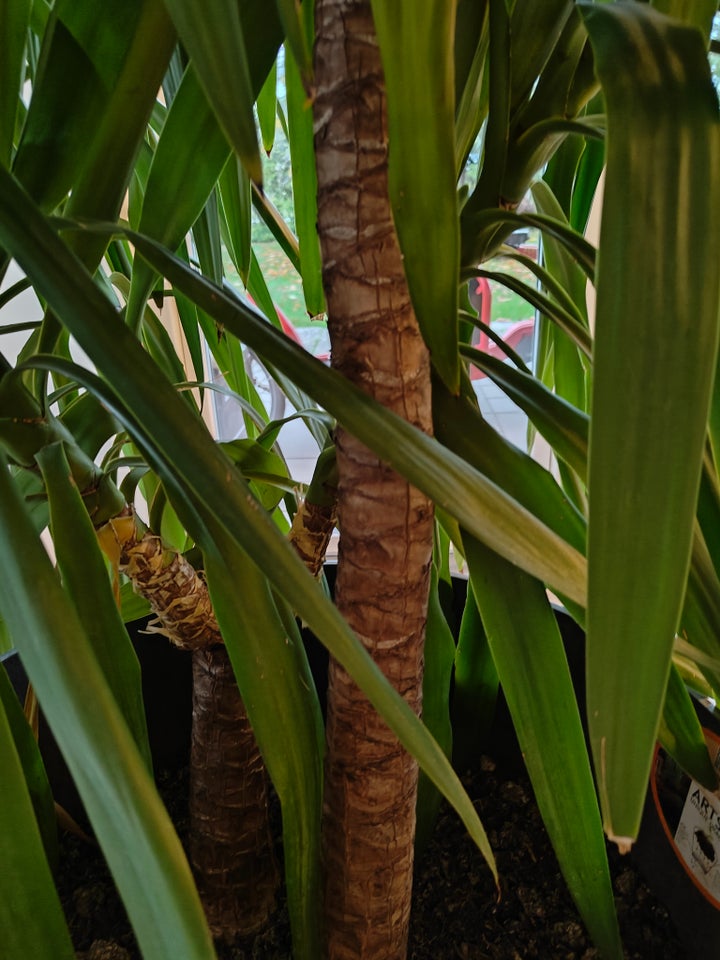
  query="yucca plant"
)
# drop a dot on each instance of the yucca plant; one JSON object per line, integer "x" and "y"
{"x": 380, "y": 122}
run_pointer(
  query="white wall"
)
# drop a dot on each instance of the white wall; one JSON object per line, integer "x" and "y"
{"x": 25, "y": 307}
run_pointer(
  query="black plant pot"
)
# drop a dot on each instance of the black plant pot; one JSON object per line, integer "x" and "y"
{"x": 678, "y": 850}
{"x": 167, "y": 692}
{"x": 167, "y": 689}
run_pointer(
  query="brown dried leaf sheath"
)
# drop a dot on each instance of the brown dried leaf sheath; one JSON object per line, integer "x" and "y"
{"x": 176, "y": 592}
{"x": 310, "y": 533}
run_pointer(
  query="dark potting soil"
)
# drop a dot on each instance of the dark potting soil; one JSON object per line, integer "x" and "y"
{"x": 456, "y": 914}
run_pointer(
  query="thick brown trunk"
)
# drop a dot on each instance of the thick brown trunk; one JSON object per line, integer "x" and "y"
{"x": 385, "y": 525}
{"x": 230, "y": 842}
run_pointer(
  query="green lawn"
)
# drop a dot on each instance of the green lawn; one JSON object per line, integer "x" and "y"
{"x": 286, "y": 288}
{"x": 508, "y": 307}
{"x": 283, "y": 283}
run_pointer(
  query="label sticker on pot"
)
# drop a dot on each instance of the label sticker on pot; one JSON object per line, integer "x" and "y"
{"x": 691, "y": 818}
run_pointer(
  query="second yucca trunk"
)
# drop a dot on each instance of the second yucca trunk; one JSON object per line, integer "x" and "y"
{"x": 230, "y": 842}
{"x": 385, "y": 524}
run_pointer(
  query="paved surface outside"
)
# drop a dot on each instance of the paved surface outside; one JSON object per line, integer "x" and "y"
{"x": 300, "y": 450}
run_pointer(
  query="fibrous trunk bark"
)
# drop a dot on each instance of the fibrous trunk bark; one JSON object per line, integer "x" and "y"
{"x": 385, "y": 524}
{"x": 230, "y": 841}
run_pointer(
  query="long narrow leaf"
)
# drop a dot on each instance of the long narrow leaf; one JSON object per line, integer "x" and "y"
{"x": 565, "y": 320}
{"x": 483, "y": 508}
{"x": 276, "y": 684}
{"x": 700, "y": 13}
{"x": 14, "y": 21}
{"x": 564, "y": 427}
{"x": 471, "y": 101}
{"x": 528, "y": 653}
{"x": 267, "y": 109}
{"x": 185, "y": 454}
{"x": 417, "y": 39}
{"x": 31, "y": 917}
{"x": 236, "y": 201}
{"x": 475, "y": 686}
{"x": 579, "y": 248}
{"x": 130, "y": 822}
{"x": 570, "y": 375}
{"x": 215, "y": 40}
{"x": 86, "y": 582}
{"x": 658, "y": 281}
{"x": 304, "y": 181}
{"x": 188, "y": 160}
{"x": 461, "y": 427}
{"x": 449, "y": 481}
{"x": 291, "y": 15}
{"x": 681, "y": 733}
{"x": 33, "y": 767}
{"x": 437, "y": 676}
{"x": 109, "y": 62}
{"x": 536, "y": 28}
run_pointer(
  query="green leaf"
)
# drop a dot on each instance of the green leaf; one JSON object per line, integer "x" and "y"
{"x": 577, "y": 246}
{"x": 33, "y": 768}
{"x": 488, "y": 189}
{"x": 471, "y": 43}
{"x": 129, "y": 47}
{"x": 207, "y": 239}
{"x": 570, "y": 375}
{"x": 304, "y": 180}
{"x": 129, "y": 98}
{"x": 658, "y": 281}
{"x": 131, "y": 824}
{"x": 700, "y": 620}
{"x": 461, "y": 427}
{"x": 273, "y": 220}
{"x": 276, "y": 685}
{"x": 31, "y": 916}
{"x": 699, "y": 13}
{"x": 188, "y": 160}
{"x": 528, "y": 652}
{"x": 236, "y": 202}
{"x": 294, "y": 19}
{"x": 57, "y": 128}
{"x": 476, "y": 686}
{"x": 560, "y": 171}
{"x": 681, "y": 734}
{"x": 132, "y": 606}
{"x": 437, "y": 674}
{"x": 586, "y": 184}
{"x": 417, "y": 42}
{"x": 708, "y": 509}
{"x": 192, "y": 465}
{"x": 113, "y": 63}
{"x": 5, "y": 641}
{"x": 536, "y": 28}
{"x": 483, "y": 508}
{"x": 267, "y": 109}
{"x": 90, "y": 423}
{"x": 256, "y": 464}
{"x": 564, "y": 427}
{"x": 14, "y": 22}
{"x": 86, "y": 582}
{"x": 566, "y": 320}
{"x": 215, "y": 39}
